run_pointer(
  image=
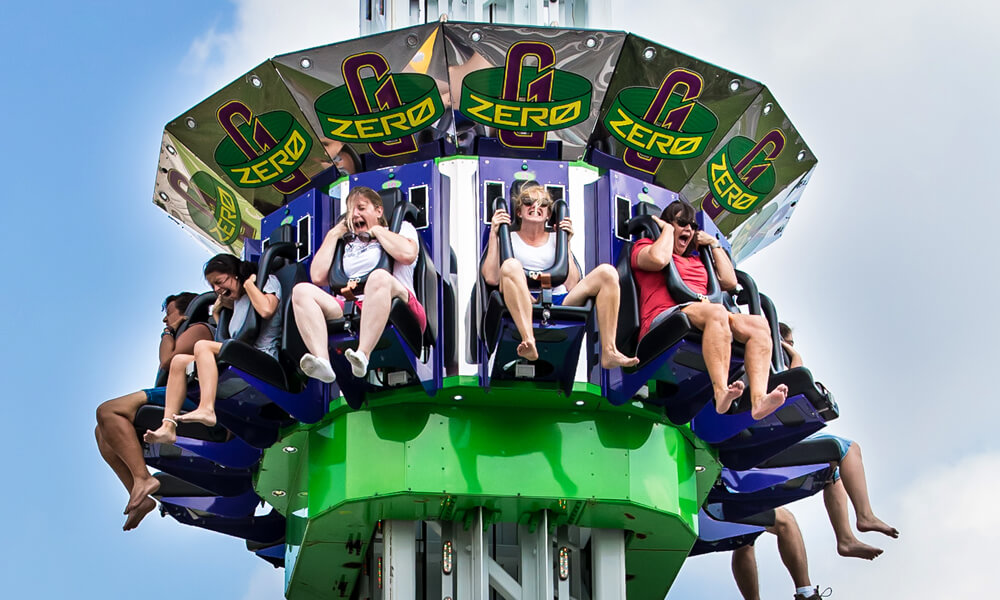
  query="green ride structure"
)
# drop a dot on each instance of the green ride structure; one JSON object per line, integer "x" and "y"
{"x": 456, "y": 469}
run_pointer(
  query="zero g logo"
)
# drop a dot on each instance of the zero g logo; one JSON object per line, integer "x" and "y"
{"x": 661, "y": 124}
{"x": 213, "y": 207}
{"x": 524, "y": 102}
{"x": 741, "y": 174}
{"x": 387, "y": 108}
{"x": 264, "y": 150}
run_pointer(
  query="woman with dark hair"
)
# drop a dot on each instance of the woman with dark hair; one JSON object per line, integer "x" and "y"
{"x": 535, "y": 249}
{"x": 115, "y": 433}
{"x": 235, "y": 285}
{"x": 679, "y": 242}
{"x": 366, "y": 231}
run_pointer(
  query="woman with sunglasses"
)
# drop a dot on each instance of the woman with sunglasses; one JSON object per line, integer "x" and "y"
{"x": 678, "y": 242}
{"x": 235, "y": 285}
{"x": 535, "y": 249}
{"x": 367, "y": 234}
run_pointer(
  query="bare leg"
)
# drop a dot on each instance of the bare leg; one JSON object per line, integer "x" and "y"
{"x": 754, "y": 332}
{"x": 852, "y": 472}
{"x": 380, "y": 290}
{"x": 120, "y": 448}
{"x": 716, "y": 348}
{"x": 745, "y": 572}
{"x": 602, "y": 285}
{"x": 835, "y": 499}
{"x": 205, "y": 355}
{"x": 313, "y": 308}
{"x": 176, "y": 392}
{"x": 517, "y": 297}
{"x": 791, "y": 547}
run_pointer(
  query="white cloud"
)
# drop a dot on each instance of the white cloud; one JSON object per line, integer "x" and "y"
{"x": 262, "y": 29}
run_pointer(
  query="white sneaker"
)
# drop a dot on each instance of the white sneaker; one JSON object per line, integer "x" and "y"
{"x": 317, "y": 368}
{"x": 359, "y": 362}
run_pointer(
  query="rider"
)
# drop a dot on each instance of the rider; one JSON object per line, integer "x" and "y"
{"x": 534, "y": 249}
{"x": 849, "y": 483}
{"x": 235, "y": 283}
{"x": 367, "y": 234}
{"x": 792, "y": 549}
{"x": 678, "y": 242}
{"x": 115, "y": 433}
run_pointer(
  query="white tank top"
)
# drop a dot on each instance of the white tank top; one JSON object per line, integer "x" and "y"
{"x": 536, "y": 258}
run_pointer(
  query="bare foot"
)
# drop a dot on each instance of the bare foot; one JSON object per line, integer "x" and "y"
{"x": 136, "y": 516}
{"x": 200, "y": 415}
{"x": 725, "y": 398}
{"x": 876, "y": 524}
{"x": 166, "y": 434}
{"x": 769, "y": 403}
{"x": 140, "y": 491}
{"x": 527, "y": 350}
{"x": 611, "y": 359}
{"x": 858, "y": 549}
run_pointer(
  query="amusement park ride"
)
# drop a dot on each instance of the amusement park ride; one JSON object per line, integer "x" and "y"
{"x": 456, "y": 470}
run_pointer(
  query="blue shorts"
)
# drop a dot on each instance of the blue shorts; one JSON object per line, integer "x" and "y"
{"x": 158, "y": 397}
{"x": 557, "y": 299}
{"x": 843, "y": 443}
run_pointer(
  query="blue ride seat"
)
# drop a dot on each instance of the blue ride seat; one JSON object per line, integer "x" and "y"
{"x": 211, "y": 443}
{"x": 725, "y": 536}
{"x": 267, "y": 529}
{"x": 403, "y": 347}
{"x": 180, "y": 493}
{"x": 259, "y": 393}
{"x": 559, "y": 330}
{"x": 744, "y": 442}
{"x": 670, "y": 358}
{"x": 797, "y": 472}
{"x": 272, "y": 553}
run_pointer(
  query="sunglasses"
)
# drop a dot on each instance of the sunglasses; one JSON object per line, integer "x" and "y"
{"x": 685, "y": 223}
{"x": 529, "y": 201}
{"x": 364, "y": 236}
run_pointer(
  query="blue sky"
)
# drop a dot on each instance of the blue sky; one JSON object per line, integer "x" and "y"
{"x": 898, "y": 107}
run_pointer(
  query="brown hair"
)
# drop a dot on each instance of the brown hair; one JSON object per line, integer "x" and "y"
{"x": 684, "y": 211}
{"x": 370, "y": 195}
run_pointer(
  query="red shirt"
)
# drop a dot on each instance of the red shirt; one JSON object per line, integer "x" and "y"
{"x": 653, "y": 295}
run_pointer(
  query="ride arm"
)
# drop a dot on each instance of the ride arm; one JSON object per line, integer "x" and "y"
{"x": 723, "y": 266}
{"x": 167, "y": 345}
{"x": 319, "y": 270}
{"x": 400, "y": 248}
{"x": 491, "y": 263}
{"x": 794, "y": 358}
{"x": 264, "y": 304}
{"x": 656, "y": 256}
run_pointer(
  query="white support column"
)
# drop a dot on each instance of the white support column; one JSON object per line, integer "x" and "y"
{"x": 471, "y": 561}
{"x": 399, "y": 566}
{"x": 608, "y": 559}
{"x": 536, "y": 560}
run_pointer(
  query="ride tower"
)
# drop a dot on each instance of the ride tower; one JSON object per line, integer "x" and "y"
{"x": 455, "y": 469}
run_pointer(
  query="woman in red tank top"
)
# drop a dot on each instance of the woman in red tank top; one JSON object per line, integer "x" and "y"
{"x": 679, "y": 238}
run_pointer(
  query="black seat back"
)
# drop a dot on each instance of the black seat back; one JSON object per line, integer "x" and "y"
{"x": 398, "y": 211}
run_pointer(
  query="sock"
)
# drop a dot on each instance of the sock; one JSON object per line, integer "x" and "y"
{"x": 806, "y": 592}
{"x": 359, "y": 362}
{"x": 317, "y": 368}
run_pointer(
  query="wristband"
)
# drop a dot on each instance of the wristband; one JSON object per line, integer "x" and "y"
{"x": 715, "y": 246}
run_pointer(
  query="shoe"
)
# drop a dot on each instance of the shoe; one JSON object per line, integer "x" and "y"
{"x": 317, "y": 368}
{"x": 359, "y": 362}
{"x": 817, "y": 595}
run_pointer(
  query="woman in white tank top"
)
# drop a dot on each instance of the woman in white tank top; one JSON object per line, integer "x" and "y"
{"x": 534, "y": 249}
